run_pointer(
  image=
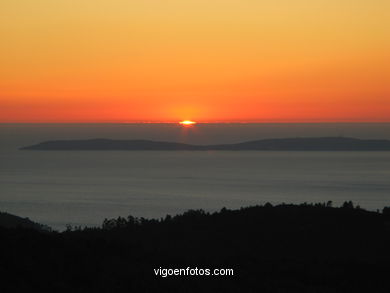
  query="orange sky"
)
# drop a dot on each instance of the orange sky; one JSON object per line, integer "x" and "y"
{"x": 203, "y": 60}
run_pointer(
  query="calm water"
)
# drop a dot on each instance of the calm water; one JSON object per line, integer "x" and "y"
{"x": 83, "y": 188}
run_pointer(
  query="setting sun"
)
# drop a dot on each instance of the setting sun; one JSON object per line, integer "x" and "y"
{"x": 187, "y": 123}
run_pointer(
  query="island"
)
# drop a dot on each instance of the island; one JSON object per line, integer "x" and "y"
{"x": 278, "y": 144}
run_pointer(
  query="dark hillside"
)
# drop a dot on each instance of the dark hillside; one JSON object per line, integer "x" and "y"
{"x": 12, "y": 221}
{"x": 285, "y": 248}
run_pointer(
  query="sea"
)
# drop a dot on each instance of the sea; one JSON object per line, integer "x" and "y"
{"x": 82, "y": 188}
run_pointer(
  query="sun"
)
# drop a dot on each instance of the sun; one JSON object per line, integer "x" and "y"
{"x": 187, "y": 123}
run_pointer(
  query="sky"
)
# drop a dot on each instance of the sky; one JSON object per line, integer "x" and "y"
{"x": 202, "y": 60}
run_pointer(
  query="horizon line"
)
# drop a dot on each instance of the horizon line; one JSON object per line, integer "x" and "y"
{"x": 207, "y": 122}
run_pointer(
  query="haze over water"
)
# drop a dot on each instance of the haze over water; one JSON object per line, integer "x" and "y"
{"x": 83, "y": 188}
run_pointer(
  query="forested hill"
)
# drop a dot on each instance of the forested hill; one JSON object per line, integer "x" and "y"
{"x": 11, "y": 221}
{"x": 284, "y": 248}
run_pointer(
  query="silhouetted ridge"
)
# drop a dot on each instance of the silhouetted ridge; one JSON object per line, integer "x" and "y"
{"x": 282, "y": 144}
{"x": 12, "y": 221}
{"x": 272, "y": 249}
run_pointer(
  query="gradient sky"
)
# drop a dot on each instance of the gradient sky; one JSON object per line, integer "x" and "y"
{"x": 205, "y": 60}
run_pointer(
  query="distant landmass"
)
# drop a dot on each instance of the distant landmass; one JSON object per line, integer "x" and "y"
{"x": 281, "y": 144}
